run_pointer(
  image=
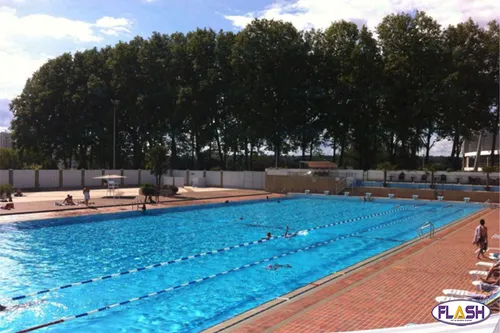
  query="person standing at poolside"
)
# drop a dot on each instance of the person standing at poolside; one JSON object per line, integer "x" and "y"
{"x": 86, "y": 195}
{"x": 481, "y": 238}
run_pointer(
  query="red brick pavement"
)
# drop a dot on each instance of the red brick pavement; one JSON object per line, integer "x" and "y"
{"x": 395, "y": 291}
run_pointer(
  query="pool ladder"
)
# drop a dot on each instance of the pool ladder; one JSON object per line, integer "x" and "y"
{"x": 136, "y": 204}
{"x": 423, "y": 227}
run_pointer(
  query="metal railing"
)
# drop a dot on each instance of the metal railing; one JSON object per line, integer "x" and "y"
{"x": 342, "y": 184}
{"x": 429, "y": 225}
{"x": 136, "y": 204}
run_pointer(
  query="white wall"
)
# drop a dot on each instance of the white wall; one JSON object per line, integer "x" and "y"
{"x": 24, "y": 179}
{"x": 147, "y": 177}
{"x": 194, "y": 174}
{"x": 254, "y": 179}
{"x": 179, "y": 173}
{"x": 72, "y": 178}
{"x": 213, "y": 178}
{"x": 90, "y": 174}
{"x": 48, "y": 178}
{"x": 233, "y": 179}
{"x": 177, "y": 181}
{"x": 132, "y": 177}
{"x": 4, "y": 177}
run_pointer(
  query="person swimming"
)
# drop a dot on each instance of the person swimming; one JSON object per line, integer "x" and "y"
{"x": 268, "y": 236}
{"x": 19, "y": 306}
{"x": 277, "y": 266}
{"x": 287, "y": 235}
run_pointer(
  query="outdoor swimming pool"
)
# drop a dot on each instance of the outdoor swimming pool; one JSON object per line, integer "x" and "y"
{"x": 47, "y": 254}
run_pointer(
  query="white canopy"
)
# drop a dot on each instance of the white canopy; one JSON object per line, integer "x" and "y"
{"x": 109, "y": 177}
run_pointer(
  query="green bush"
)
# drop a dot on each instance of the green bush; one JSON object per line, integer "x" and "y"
{"x": 148, "y": 189}
{"x": 5, "y": 188}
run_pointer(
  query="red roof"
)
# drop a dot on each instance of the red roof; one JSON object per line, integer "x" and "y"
{"x": 320, "y": 164}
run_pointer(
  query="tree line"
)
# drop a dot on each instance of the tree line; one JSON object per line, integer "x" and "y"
{"x": 219, "y": 99}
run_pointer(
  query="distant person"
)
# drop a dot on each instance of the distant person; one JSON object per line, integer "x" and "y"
{"x": 19, "y": 306}
{"x": 481, "y": 238}
{"x": 18, "y": 193}
{"x": 86, "y": 195}
{"x": 227, "y": 201}
{"x": 267, "y": 198}
{"x": 158, "y": 193}
{"x": 69, "y": 200}
{"x": 277, "y": 266}
{"x": 143, "y": 207}
{"x": 268, "y": 236}
{"x": 287, "y": 235}
{"x": 8, "y": 206}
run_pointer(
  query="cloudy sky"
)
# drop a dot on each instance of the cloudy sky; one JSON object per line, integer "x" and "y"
{"x": 31, "y": 31}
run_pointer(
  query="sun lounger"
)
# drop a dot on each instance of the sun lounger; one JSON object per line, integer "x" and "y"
{"x": 484, "y": 263}
{"x": 480, "y": 273}
{"x": 490, "y": 301}
{"x": 464, "y": 294}
{"x": 483, "y": 286}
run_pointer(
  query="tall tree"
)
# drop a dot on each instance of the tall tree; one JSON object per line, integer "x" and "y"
{"x": 268, "y": 56}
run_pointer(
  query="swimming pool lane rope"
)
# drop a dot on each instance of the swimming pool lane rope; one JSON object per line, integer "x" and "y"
{"x": 185, "y": 284}
{"x": 170, "y": 262}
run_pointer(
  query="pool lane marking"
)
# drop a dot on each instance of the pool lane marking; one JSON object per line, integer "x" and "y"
{"x": 170, "y": 262}
{"x": 200, "y": 280}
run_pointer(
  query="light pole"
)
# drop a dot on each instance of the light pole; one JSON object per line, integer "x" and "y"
{"x": 114, "y": 133}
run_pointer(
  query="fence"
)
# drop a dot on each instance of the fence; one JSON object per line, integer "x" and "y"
{"x": 52, "y": 179}
{"x": 415, "y": 176}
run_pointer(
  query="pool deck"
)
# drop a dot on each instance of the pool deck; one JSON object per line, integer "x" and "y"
{"x": 38, "y": 205}
{"x": 393, "y": 290}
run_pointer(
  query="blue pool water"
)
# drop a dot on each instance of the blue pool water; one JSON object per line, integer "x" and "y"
{"x": 45, "y": 254}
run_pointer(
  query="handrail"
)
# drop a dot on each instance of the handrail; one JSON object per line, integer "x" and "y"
{"x": 426, "y": 225}
{"x": 342, "y": 183}
{"x": 136, "y": 202}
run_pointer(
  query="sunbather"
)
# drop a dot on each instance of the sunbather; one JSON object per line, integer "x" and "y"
{"x": 8, "y": 206}
{"x": 67, "y": 202}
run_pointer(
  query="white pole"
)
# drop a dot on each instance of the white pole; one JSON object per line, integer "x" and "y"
{"x": 114, "y": 137}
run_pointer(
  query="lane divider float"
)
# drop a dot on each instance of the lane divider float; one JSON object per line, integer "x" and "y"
{"x": 185, "y": 284}
{"x": 202, "y": 254}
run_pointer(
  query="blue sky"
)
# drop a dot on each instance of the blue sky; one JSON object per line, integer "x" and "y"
{"x": 32, "y": 31}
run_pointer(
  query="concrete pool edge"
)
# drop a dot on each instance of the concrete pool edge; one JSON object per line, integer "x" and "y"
{"x": 252, "y": 314}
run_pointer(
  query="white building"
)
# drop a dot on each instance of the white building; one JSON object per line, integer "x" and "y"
{"x": 469, "y": 152}
{"x": 5, "y": 140}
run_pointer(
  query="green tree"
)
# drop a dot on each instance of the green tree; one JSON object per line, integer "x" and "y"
{"x": 386, "y": 166}
{"x": 157, "y": 161}
{"x": 267, "y": 58}
{"x": 9, "y": 159}
{"x": 489, "y": 169}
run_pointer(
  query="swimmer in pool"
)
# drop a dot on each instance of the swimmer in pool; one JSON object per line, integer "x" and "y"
{"x": 268, "y": 236}
{"x": 143, "y": 207}
{"x": 19, "y": 306}
{"x": 277, "y": 266}
{"x": 287, "y": 235}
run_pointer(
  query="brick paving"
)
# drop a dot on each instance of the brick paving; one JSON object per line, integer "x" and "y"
{"x": 394, "y": 291}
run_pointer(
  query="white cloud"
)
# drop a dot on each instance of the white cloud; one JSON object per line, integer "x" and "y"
{"x": 18, "y": 59}
{"x": 305, "y": 14}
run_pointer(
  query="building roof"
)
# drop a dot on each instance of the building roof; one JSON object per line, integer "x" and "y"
{"x": 319, "y": 164}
